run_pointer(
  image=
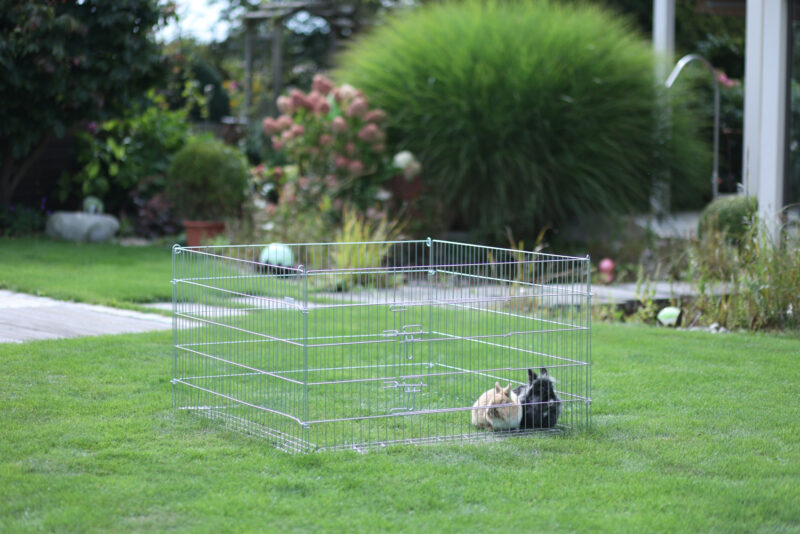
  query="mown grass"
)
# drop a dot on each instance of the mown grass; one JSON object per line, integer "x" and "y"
{"x": 692, "y": 432}
{"x": 87, "y": 272}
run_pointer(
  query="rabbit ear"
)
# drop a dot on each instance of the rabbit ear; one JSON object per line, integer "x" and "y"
{"x": 497, "y": 387}
{"x": 531, "y": 375}
{"x": 544, "y": 372}
{"x": 507, "y": 389}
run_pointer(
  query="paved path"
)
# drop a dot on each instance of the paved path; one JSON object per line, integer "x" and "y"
{"x": 28, "y": 318}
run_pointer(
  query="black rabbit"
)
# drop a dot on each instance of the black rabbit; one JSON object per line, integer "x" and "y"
{"x": 541, "y": 404}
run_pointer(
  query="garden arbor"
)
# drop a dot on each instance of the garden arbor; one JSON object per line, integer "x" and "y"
{"x": 339, "y": 16}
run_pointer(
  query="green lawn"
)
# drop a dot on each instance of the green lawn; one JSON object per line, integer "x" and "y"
{"x": 692, "y": 432}
{"x": 86, "y": 272}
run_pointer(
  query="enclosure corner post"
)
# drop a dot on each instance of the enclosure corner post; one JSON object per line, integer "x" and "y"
{"x": 304, "y": 426}
{"x": 176, "y": 249}
{"x": 588, "y": 342}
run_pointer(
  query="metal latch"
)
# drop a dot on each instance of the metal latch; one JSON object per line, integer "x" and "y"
{"x": 409, "y": 390}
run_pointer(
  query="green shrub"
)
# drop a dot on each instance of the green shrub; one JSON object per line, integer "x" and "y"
{"x": 119, "y": 155}
{"x": 218, "y": 101}
{"x": 730, "y": 215}
{"x": 207, "y": 180}
{"x": 525, "y": 114}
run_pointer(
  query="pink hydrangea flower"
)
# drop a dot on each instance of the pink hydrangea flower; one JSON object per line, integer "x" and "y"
{"x": 370, "y": 133}
{"x": 341, "y": 162}
{"x": 338, "y": 125}
{"x": 375, "y": 115}
{"x": 300, "y": 100}
{"x": 270, "y": 126}
{"x": 285, "y": 105}
{"x": 345, "y": 93}
{"x": 325, "y": 140}
{"x": 350, "y": 148}
{"x": 277, "y": 143}
{"x": 322, "y": 107}
{"x": 297, "y": 130}
{"x": 356, "y": 168}
{"x": 284, "y": 122}
{"x": 358, "y": 107}
{"x": 322, "y": 84}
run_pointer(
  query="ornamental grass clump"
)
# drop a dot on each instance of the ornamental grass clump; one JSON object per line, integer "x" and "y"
{"x": 526, "y": 114}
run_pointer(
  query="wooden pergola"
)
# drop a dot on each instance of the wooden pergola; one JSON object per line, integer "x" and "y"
{"x": 276, "y": 13}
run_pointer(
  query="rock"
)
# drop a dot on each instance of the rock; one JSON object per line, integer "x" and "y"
{"x": 79, "y": 226}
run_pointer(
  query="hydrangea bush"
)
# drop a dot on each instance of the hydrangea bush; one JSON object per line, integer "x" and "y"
{"x": 336, "y": 146}
{"x": 336, "y": 141}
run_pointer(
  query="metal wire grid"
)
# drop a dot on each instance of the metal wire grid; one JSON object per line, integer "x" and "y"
{"x": 368, "y": 344}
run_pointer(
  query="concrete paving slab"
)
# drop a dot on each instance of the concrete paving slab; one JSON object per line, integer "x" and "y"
{"x": 28, "y": 318}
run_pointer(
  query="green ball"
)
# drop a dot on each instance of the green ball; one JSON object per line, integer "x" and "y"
{"x": 277, "y": 254}
{"x": 669, "y": 316}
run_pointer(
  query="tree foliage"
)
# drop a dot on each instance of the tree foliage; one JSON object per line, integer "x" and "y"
{"x": 65, "y": 62}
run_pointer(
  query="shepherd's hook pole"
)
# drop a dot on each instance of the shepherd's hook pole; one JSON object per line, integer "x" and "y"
{"x": 682, "y": 62}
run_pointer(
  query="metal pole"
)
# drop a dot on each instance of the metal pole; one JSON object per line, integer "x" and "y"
{"x": 682, "y": 62}
{"x": 277, "y": 62}
{"x": 248, "y": 70}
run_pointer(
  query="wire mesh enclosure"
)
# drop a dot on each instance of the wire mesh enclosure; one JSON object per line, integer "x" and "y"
{"x": 355, "y": 345}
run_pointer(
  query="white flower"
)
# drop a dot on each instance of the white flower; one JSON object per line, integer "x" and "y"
{"x": 382, "y": 194}
{"x": 403, "y": 159}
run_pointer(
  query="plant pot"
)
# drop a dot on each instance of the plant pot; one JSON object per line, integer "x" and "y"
{"x": 200, "y": 232}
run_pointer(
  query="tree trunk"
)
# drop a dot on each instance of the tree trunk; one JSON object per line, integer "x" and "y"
{"x": 14, "y": 171}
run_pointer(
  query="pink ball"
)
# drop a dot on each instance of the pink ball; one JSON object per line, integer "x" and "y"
{"x": 606, "y": 266}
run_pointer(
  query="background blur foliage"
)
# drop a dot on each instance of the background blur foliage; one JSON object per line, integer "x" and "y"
{"x": 527, "y": 114}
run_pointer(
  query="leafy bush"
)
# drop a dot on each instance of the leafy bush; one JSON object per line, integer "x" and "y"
{"x": 525, "y": 114}
{"x": 207, "y": 180}
{"x": 730, "y": 215}
{"x": 218, "y": 101}
{"x": 22, "y": 220}
{"x": 120, "y": 154}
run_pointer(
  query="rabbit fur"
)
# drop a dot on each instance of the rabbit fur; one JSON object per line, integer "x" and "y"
{"x": 541, "y": 404}
{"x": 497, "y": 418}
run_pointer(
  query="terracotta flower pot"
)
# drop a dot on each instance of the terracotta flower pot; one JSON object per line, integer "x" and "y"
{"x": 200, "y": 232}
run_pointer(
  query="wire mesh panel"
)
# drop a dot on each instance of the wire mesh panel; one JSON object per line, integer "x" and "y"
{"x": 352, "y": 345}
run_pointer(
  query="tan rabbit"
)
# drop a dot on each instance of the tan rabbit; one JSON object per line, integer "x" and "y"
{"x": 500, "y": 418}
